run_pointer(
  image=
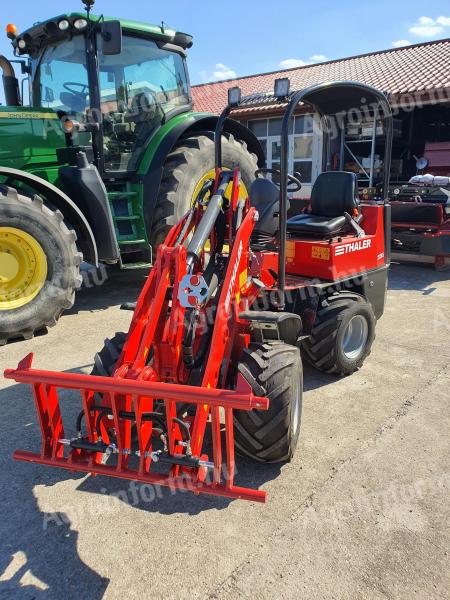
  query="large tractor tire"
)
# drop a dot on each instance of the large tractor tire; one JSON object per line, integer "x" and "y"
{"x": 187, "y": 167}
{"x": 273, "y": 370}
{"x": 342, "y": 334}
{"x": 39, "y": 265}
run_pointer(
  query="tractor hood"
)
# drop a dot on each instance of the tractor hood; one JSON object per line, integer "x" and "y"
{"x": 49, "y": 31}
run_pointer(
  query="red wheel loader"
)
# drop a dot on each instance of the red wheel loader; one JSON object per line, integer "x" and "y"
{"x": 237, "y": 294}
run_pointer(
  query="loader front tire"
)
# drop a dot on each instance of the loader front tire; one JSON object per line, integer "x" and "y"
{"x": 106, "y": 359}
{"x": 188, "y": 164}
{"x": 39, "y": 265}
{"x": 273, "y": 370}
{"x": 342, "y": 335}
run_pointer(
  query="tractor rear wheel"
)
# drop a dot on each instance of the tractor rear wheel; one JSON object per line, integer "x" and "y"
{"x": 342, "y": 334}
{"x": 39, "y": 265}
{"x": 187, "y": 167}
{"x": 273, "y": 370}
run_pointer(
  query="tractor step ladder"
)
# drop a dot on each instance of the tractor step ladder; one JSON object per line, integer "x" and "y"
{"x": 126, "y": 208}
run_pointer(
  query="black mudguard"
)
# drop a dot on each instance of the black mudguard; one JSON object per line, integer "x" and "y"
{"x": 84, "y": 184}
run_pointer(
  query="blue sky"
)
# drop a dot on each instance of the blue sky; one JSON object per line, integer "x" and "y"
{"x": 252, "y": 36}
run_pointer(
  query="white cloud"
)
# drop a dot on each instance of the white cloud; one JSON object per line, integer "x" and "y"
{"x": 292, "y": 63}
{"x": 445, "y": 21}
{"x": 223, "y": 72}
{"x": 426, "y": 27}
{"x": 400, "y": 43}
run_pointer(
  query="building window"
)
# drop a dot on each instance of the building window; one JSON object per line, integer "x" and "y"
{"x": 304, "y": 146}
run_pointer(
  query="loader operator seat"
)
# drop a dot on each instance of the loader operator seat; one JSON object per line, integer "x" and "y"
{"x": 334, "y": 193}
{"x": 265, "y": 197}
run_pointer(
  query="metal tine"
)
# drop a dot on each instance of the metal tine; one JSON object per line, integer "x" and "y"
{"x": 117, "y": 427}
{"x": 87, "y": 399}
{"x": 216, "y": 443}
{"x": 44, "y": 420}
{"x": 171, "y": 413}
{"x": 144, "y": 432}
{"x": 55, "y": 420}
{"x": 229, "y": 434}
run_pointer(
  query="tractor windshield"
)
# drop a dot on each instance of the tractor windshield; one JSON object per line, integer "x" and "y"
{"x": 60, "y": 79}
{"x": 138, "y": 88}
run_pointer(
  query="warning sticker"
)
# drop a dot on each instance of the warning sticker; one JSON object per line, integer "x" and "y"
{"x": 321, "y": 252}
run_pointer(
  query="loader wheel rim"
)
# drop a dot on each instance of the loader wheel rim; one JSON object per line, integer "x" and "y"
{"x": 355, "y": 337}
{"x": 243, "y": 194}
{"x": 23, "y": 268}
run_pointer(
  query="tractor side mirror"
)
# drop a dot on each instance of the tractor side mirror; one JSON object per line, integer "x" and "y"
{"x": 111, "y": 32}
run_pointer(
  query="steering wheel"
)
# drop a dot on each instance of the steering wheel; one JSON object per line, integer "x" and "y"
{"x": 82, "y": 91}
{"x": 294, "y": 183}
{"x": 144, "y": 105}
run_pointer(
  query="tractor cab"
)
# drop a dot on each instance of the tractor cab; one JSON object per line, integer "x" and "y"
{"x": 336, "y": 228}
{"x": 116, "y": 82}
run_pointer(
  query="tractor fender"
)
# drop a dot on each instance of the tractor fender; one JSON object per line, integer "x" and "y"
{"x": 194, "y": 123}
{"x": 59, "y": 200}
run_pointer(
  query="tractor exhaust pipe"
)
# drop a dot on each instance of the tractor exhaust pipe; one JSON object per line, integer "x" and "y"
{"x": 10, "y": 83}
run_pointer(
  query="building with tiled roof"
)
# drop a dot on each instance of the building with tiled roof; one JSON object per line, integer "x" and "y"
{"x": 416, "y": 79}
{"x": 416, "y": 70}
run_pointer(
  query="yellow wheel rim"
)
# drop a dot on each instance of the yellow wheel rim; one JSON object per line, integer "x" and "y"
{"x": 23, "y": 268}
{"x": 210, "y": 175}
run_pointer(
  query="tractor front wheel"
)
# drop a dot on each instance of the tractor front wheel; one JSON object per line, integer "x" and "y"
{"x": 342, "y": 334}
{"x": 187, "y": 167}
{"x": 39, "y": 265}
{"x": 273, "y": 370}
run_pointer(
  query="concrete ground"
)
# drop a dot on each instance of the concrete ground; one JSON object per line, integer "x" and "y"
{"x": 362, "y": 511}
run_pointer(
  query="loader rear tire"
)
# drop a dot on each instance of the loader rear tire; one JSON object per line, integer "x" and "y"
{"x": 273, "y": 370}
{"x": 39, "y": 265}
{"x": 186, "y": 165}
{"x": 342, "y": 334}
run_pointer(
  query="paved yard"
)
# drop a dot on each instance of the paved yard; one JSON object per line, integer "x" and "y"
{"x": 362, "y": 512}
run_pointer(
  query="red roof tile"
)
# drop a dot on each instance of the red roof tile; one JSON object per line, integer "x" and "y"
{"x": 397, "y": 71}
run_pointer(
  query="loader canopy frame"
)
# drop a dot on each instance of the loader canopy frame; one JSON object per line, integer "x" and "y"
{"x": 329, "y": 99}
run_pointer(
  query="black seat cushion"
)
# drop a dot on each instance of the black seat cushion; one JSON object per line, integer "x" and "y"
{"x": 265, "y": 197}
{"x": 334, "y": 193}
{"x": 314, "y": 225}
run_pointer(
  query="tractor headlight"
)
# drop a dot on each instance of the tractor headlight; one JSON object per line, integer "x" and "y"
{"x": 64, "y": 25}
{"x": 80, "y": 24}
{"x": 22, "y": 44}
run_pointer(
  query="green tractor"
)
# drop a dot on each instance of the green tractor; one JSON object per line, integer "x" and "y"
{"x": 105, "y": 159}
